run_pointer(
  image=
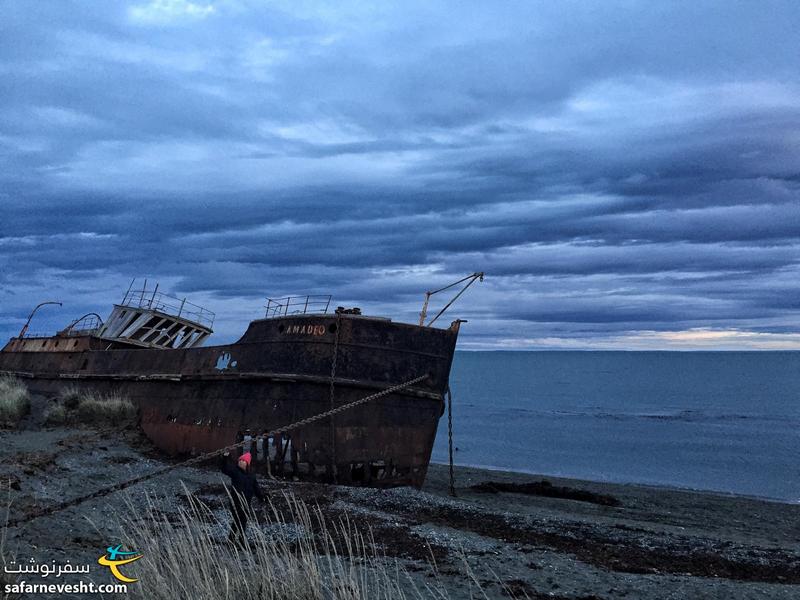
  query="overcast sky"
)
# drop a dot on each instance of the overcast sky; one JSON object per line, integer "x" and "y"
{"x": 626, "y": 173}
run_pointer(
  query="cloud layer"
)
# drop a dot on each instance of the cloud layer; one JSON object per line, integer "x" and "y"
{"x": 627, "y": 175}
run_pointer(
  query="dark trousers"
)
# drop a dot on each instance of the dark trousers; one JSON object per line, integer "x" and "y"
{"x": 238, "y": 522}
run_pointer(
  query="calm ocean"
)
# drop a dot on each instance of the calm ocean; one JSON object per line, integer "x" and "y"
{"x": 725, "y": 421}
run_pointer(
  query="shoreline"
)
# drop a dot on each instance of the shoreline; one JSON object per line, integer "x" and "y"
{"x": 581, "y": 481}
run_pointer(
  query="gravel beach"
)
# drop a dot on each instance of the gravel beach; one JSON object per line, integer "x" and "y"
{"x": 503, "y": 535}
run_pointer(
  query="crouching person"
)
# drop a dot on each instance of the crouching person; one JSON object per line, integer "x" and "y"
{"x": 245, "y": 486}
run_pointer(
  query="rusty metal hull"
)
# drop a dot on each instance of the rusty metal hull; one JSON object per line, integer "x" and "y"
{"x": 200, "y": 399}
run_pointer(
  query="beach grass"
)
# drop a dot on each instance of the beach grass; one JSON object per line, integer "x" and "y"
{"x": 15, "y": 401}
{"x": 292, "y": 553}
{"x": 87, "y": 407}
{"x": 70, "y": 397}
{"x": 55, "y": 414}
{"x": 104, "y": 409}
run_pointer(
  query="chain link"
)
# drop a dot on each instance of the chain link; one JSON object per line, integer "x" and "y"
{"x": 333, "y": 376}
{"x": 450, "y": 439}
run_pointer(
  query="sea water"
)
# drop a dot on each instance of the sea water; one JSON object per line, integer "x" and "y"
{"x": 723, "y": 421}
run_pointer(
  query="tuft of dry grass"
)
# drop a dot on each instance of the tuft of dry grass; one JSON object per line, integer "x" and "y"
{"x": 56, "y": 414}
{"x": 70, "y": 397}
{"x": 109, "y": 409}
{"x": 291, "y": 555}
{"x": 15, "y": 401}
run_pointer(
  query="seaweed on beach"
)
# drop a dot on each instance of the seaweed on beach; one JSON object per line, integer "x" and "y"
{"x": 545, "y": 488}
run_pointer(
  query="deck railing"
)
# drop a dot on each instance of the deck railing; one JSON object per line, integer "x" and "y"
{"x": 86, "y": 325}
{"x": 169, "y": 305}
{"x": 298, "y": 305}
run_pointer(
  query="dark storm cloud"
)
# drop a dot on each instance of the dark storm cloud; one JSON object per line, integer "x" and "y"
{"x": 616, "y": 169}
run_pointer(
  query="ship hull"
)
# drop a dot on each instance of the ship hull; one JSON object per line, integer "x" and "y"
{"x": 200, "y": 399}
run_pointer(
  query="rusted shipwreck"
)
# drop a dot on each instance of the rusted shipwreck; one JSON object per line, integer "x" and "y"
{"x": 303, "y": 358}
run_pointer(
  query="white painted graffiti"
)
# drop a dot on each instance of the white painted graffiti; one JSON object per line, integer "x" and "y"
{"x": 225, "y": 362}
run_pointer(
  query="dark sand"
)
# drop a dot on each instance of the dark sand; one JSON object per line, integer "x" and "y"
{"x": 655, "y": 544}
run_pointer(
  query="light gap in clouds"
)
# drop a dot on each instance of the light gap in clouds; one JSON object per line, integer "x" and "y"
{"x": 162, "y": 12}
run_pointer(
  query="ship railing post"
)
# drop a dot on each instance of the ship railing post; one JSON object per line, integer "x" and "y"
{"x": 153, "y": 297}
{"x": 128, "y": 292}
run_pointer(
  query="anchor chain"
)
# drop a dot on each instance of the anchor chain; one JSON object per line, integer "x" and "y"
{"x": 450, "y": 440}
{"x": 204, "y": 457}
{"x": 334, "y": 473}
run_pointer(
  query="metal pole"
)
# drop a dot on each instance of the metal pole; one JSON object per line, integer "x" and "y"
{"x": 24, "y": 329}
{"x": 424, "y": 312}
{"x": 129, "y": 291}
{"x": 153, "y": 297}
{"x": 464, "y": 289}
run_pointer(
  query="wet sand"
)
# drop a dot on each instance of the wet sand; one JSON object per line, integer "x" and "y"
{"x": 649, "y": 543}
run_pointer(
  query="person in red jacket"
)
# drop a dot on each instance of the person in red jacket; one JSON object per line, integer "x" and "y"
{"x": 245, "y": 486}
